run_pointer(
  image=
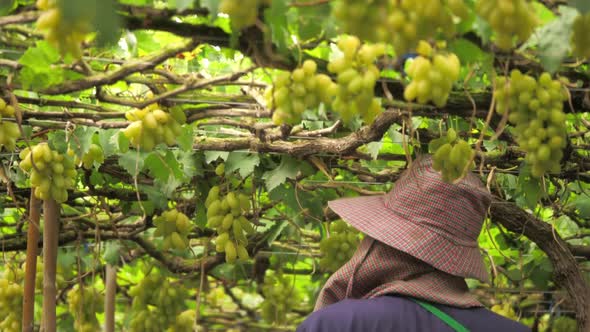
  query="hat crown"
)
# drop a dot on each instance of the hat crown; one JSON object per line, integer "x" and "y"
{"x": 453, "y": 210}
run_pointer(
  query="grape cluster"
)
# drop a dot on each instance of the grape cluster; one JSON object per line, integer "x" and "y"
{"x": 432, "y": 76}
{"x": 301, "y": 89}
{"x": 151, "y": 126}
{"x": 156, "y": 303}
{"x": 66, "y": 35}
{"x": 52, "y": 173}
{"x": 243, "y": 13}
{"x": 581, "y": 37}
{"x": 339, "y": 247}
{"x": 9, "y": 131}
{"x": 84, "y": 303}
{"x": 536, "y": 111}
{"x": 401, "y": 23}
{"x": 226, "y": 214}
{"x": 174, "y": 226}
{"x": 94, "y": 155}
{"x": 280, "y": 297}
{"x": 505, "y": 309}
{"x": 453, "y": 156}
{"x": 11, "y": 297}
{"x": 508, "y": 19}
{"x": 356, "y": 78}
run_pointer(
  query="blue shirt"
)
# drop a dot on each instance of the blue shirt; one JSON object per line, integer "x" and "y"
{"x": 394, "y": 313}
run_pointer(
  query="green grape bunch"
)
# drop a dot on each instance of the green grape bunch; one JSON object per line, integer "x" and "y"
{"x": 357, "y": 75}
{"x": 151, "y": 126}
{"x": 399, "y": 22}
{"x": 11, "y": 297}
{"x": 510, "y": 20}
{"x": 535, "y": 108}
{"x": 52, "y": 173}
{"x": 9, "y": 131}
{"x": 339, "y": 247}
{"x": 432, "y": 74}
{"x": 157, "y": 304}
{"x": 580, "y": 37}
{"x": 280, "y": 297}
{"x": 294, "y": 92}
{"x": 227, "y": 215}
{"x": 453, "y": 156}
{"x": 66, "y": 35}
{"x": 95, "y": 155}
{"x": 174, "y": 227}
{"x": 242, "y": 13}
{"x": 84, "y": 303}
{"x": 185, "y": 322}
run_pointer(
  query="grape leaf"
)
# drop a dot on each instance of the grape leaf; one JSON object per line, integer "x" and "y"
{"x": 286, "y": 170}
{"x": 111, "y": 252}
{"x": 161, "y": 167}
{"x": 244, "y": 162}
{"x": 211, "y": 156}
{"x": 275, "y": 17}
{"x": 552, "y": 39}
{"x": 185, "y": 139}
{"x": 81, "y": 139}
{"x": 108, "y": 141}
{"x": 582, "y": 5}
{"x": 132, "y": 161}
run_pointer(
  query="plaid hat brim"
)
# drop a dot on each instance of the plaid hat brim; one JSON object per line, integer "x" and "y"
{"x": 369, "y": 215}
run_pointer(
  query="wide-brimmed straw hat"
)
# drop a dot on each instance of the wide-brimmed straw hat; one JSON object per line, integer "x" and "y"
{"x": 434, "y": 221}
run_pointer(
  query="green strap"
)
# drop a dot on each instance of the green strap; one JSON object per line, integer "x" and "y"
{"x": 455, "y": 325}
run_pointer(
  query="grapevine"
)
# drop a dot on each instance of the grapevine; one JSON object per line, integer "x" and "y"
{"x": 432, "y": 76}
{"x": 9, "y": 131}
{"x": 509, "y": 19}
{"x": 401, "y": 23}
{"x": 339, "y": 247}
{"x": 226, "y": 214}
{"x": 66, "y": 35}
{"x": 11, "y": 297}
{"x": 536, "y": 110}
{"x": 151, "y": 126}
{"x": 156, "y": 304}
{"x": 280, "y": 298}
{"x": 52, "y": 173}
{"x": 453, "y": 156}
{"x": 174, "y": 227}
{"x": 84, "y": 303}
{"x": 293, "y": 93}
{"x": 580, "y": 36}
{"x": 356, "y": 78}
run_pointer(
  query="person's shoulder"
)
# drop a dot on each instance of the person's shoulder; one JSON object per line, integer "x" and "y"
{"x": 355, "y": 315}
{"x": 483, "y": 319}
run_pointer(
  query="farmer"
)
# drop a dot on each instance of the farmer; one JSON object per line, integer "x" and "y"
{"x": 408, "y": 272}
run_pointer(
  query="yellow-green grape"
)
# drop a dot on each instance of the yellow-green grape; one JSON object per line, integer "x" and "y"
{"x": 339, "y": 247}
{"x": 94, "y": 155}
{"x": 580, "y": 36}
{"x": 157, "y": 302}
{"x": 184, "y": 322}
{"x": 174, "y": 227}
{"x": 453, "y": 156}
{"x": 536, "y": 111}
{"x": 226, "y": 214}
{"x": 402, "y": 23}
{"x": 151, "y": 126}
{"x": 293, "y": 93}
{"x": 9, "y": 131}
{"x": 242, "y": 13}
{"x": 11, "y": 297}
{"x": 510, "y": 20}
{"x": 505, "y": 310}
{"x": 65, "y": 35}
{"x": 356, "y": 78}
{"x": 220, "y": 170}
{"x": 84, "y": 303}
{"x": 52, "y": 173}
{"x": 432, "y": 77}
{"x": 280, "y": 296}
